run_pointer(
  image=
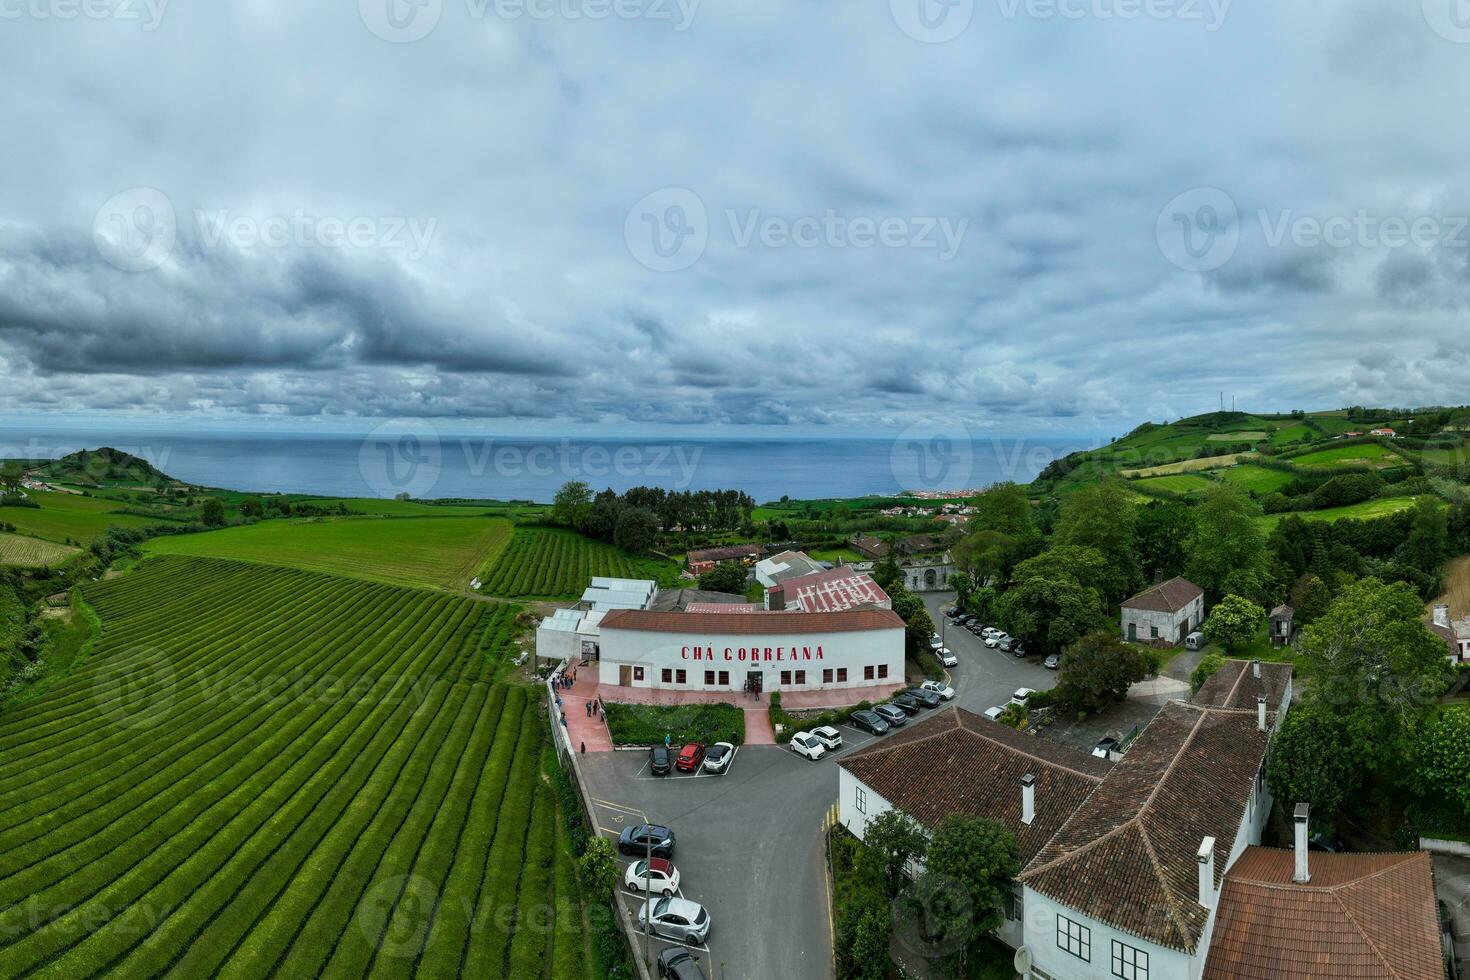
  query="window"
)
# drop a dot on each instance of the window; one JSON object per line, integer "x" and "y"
{"x": 668, "y": 675}
{"x": 785, "y": 678}
{"x": 882, "y": 671}
{"x": 724, "y": 678}
{"x": 842, "y": 675}
{"x": 638, "y": 673}
{"x": 683, "y": 677}
{"x": 1075, "y": 939}
{"x": 1129, "y": 963}
{"x": 801, "y": 677}
{"x": 1014, "y": 906}
{"x": 868, "y": 672}
{"x": 709, "y": 678}
{"x": 827, "y": 676}
{"x": 1153, "y": 632}
{"x": 860, "y": 801}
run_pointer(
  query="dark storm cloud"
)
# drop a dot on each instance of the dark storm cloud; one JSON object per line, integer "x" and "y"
{"x": 1049, "y": 147}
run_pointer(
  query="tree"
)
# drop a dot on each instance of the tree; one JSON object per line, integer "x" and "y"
{"x": 890, "y": 841}
{"x": 1441, "y": 765}
{"x": 1429, "y": 536}
{"x": 982, "y": 603}
{"x": 910, "y": 608}
{"x": 1162, "y": 529}
{"x": 250, "y": 507}
{"x": 1208, "y": 666}
{"x": 1310, "y": 598}
{"x": 1098, "y": 670}
{"x": 867, "y": 952}
{"x": 598, "y": 867}
{"x": 1085, "y": 565}
{"x": 1227, "y": 552}
{"x": 1311, "y": 762}
{"x": 569, "y": 507}
{"x": 1049, "y": 614}
{"x": 727, "y": 576}
{"x": 963, "y": 585}
{"x": 1006, "y": 508}
{"x": 636, "y": 530}
{"x": 214, "y": 512}
{"x": 887, "y": 573}
{"x": 1104, "y": 517}
{"x": 11, "y": 475}
{"x": 976, "y": 860}
{"x": 1233, "y": 621}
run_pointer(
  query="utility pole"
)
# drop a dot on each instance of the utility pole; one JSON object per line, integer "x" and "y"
{"x": 647, "y": 895}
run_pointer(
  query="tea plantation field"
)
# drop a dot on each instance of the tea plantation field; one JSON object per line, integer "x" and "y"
{"x": 545, "y": 563}
{"x": 272, "y": 772}
{"x": 32, "y": 552}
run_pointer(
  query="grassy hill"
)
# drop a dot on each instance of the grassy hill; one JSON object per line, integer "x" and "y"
{"x": 103, "y": 467}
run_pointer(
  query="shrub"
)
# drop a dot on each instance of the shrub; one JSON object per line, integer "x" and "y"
{"x": 1208, "y": 666}
{"x": 647, "y": 724}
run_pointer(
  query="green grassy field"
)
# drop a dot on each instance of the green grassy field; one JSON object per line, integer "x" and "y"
{"x": 1246, "y": 436}
{"x": 1444, "y": 457}
{"x": 271, "y": 772}
{"x": 544, "y": 563}
{"x": 1363, "y": 454}
{"x": 1184, "y": 483}
{"x": 63, "y": 517}
{"x": 439, "y": 552}
{"x": 1256, "y": 479}
{"x": 32, "y": 552}
{"x": 1363, "y": 512}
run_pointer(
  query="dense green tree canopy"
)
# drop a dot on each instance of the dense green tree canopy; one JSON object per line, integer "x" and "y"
{"x": 1226, "y": 549}
{"x": 1097, "y": 671}
{"x": 1234, "y": 621}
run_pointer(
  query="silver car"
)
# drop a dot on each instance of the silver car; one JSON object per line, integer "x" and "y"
{"x": 676, "y": 918}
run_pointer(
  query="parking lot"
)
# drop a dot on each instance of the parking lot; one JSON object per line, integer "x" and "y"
{"x": 748, "y": 843}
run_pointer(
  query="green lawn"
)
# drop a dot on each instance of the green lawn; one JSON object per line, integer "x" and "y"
{"x": 1256, "y": 479}
{"x": 438, "y": 552}
{"x": 65, "y": 517}
{"x": 1184, "y": 483}
{"x": 1249, "y": 436}
{"x": 1444, "y": 457}
{"x": 1362, "y": 454}
{"x": 1365, "y": 511}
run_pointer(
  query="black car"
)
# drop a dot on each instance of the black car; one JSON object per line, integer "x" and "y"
{"x": 1014, "y": 646}
{"x": 976, "y": 627}
{"x": 927, "y": 698}
{"x": 908, "y": 704}
{"x": 678, "y": 963}
{"x": 659, "y": 759}
{"x": 893, "y": 715}
{"x": 869, "y": 722}
{"x": 641, "y": 839}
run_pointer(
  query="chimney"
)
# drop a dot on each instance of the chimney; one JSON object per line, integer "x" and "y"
{"x": 1028, "y": 799}
{"x": 1207, "y": 872}
{"x": 1261, "y": 714}
{"x": 1441, "y": 615}
{"x": 1256, "y": 669}
{"x": 1300, "y": 821}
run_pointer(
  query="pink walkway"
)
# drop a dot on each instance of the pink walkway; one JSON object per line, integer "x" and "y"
{"x": 584, "y": 728}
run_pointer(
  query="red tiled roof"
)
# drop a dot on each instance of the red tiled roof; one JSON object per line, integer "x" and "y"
{"x": 1235, "y": 685}
{"x": 724, "y": 607}
{"x": 831, "y": 590}
{"x": 1127, "y": 857}
{"x": 957, "y": 762}
{"x": 770, "y": 624}
{"x": 1361, "y": 917}
{"x": 725, "y": 553}
{"x": 1170, "y": 596}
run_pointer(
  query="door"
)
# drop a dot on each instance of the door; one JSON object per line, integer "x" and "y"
{"x": 756, "y": 680}
{"x": 625, "y": 676}
{"x": 1132, "y": 632}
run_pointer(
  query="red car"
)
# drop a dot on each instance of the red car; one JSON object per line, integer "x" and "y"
{"x": 690, "y": 756}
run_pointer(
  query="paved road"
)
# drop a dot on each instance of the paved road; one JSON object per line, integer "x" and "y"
{"x": 749, "y": 843}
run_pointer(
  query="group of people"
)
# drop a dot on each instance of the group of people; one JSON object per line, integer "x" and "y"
{"x": 567, "y": 679}
{"x": 594, "y": 707}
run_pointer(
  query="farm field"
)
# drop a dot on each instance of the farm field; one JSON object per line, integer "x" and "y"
{"x": 1365, "y": 454}
{"x": 1456, "y": 588}
{"x": 1256, "y": 479}
{"x": 32, "y": 552}
{"x": 1444, "y": 457}
{"x": 1362, "y": 512}
{"x": 63, "y": 517}
{"x": 1184, "y": 483}
{"x": 1192, "y": 465}
{"x": 267, "y": 771}
{"x": 439, "y": 552}
{"x": 1237, "y": 436}
{"x": 545, "y": 563}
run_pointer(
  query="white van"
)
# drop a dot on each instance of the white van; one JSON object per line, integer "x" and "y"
{"x": 1194, "y": 640}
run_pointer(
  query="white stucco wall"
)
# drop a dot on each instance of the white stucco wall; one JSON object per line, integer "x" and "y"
{"x": 1168, "y": 624}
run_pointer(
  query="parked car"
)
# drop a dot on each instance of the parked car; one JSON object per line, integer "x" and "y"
{"x": 940, "y": 688}
{"x": 638, "y": 840}
{"x": 1194, "y": 641}
{"x": 989, "y": 631}
{"x": 996, "y": 639}
{"x": 677, "y": 963}
{"x": 894, "y": 716}
{"x": 947, "y": 657}
{"x": 1105, "y": 747}
{"x": 657, "y": 876}
{"x": 1014, "y": 647}
{"x": 994, "y": 713}
{"x": 805, "y": 743}
{"x": 924, "y": 696}
{"x": 1053, "y": 662}
{"x": 977, "y": 629}
{"x": 675, "y": 918}
{"x": 690, "y": 756}
{"x": 954, "y": 614}
{"x": 830, "y": 737}
{"x": 658, "y": 760}
{"x": 936, "y": 642}
{"x": 1022, "y": 695}
{"x": 908, "y": 704}
{"x": 869, "y": 721}
{"x": 719, "y": 757}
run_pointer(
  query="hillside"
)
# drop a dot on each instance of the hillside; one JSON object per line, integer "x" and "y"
{"x": 103, "y": 467}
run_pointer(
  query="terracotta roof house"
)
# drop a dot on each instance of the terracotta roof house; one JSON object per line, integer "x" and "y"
{"x": 1356, "y": 917}
{"x": 1455, "y": 634}
{"x": 702, "y": 560}
{"x": 1164, "y": 614}
{"x": 1385, "y": 432}
{"x": 869, "y": 546}
{"x": 957, "y": 762}
{"x": 1239, "y": 683}
{"x": 916, "y": 544}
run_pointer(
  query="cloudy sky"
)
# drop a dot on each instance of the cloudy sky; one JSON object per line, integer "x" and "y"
{"x": 1034, "y": 216}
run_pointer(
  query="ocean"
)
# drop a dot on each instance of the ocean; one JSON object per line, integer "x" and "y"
{"x": 415, "y": 458}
